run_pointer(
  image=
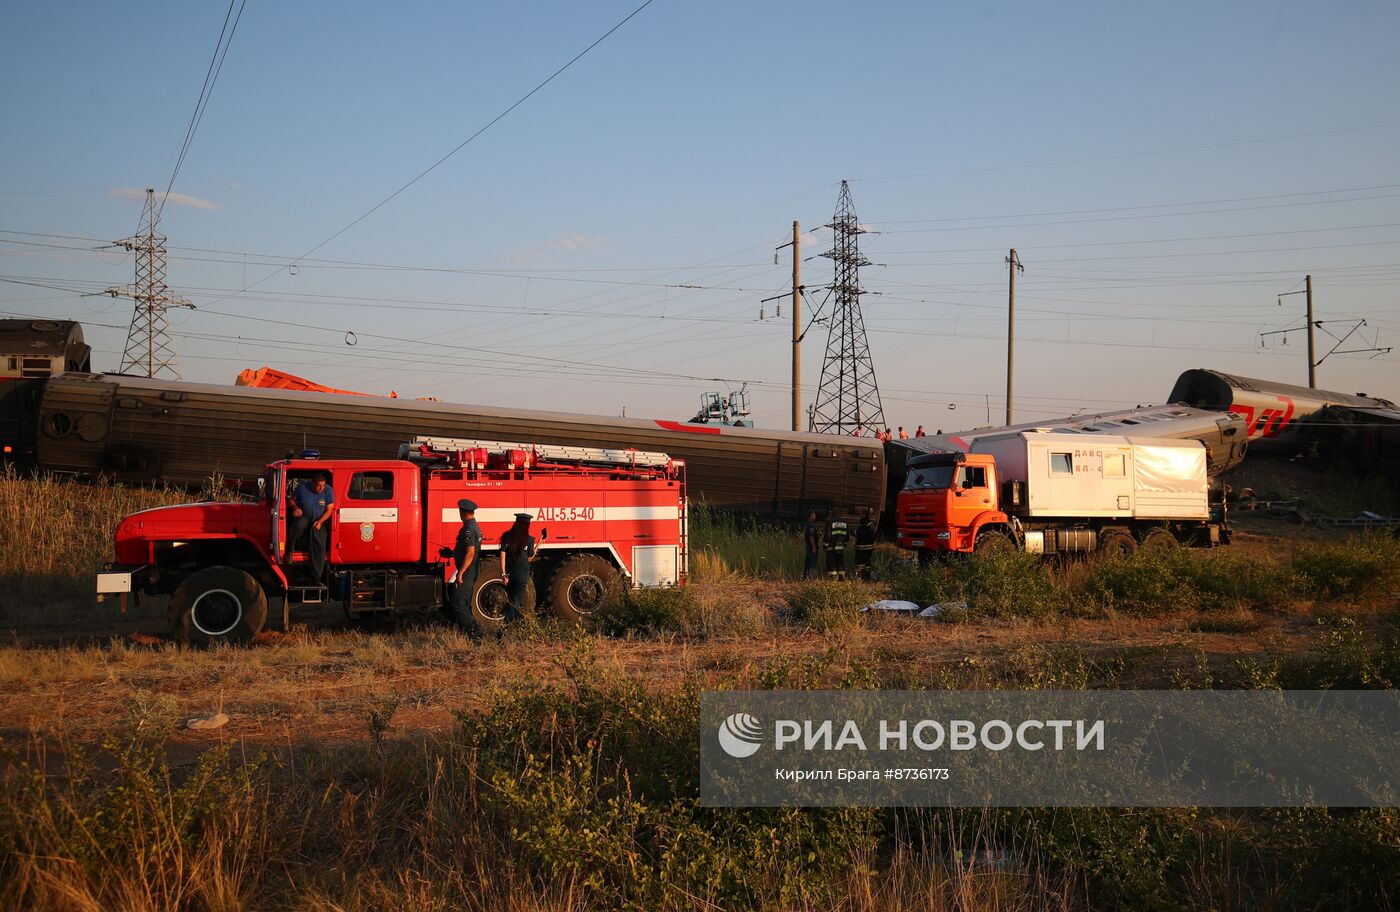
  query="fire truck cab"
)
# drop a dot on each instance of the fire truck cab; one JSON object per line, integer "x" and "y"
{"x": 603, "y": 519}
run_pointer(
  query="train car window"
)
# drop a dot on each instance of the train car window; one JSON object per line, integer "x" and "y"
{"x": 1061, "y": 464}
{"x": 34, "y": 368}
{"x": 1113, "y": 465}
{"x": 371, "y": 486}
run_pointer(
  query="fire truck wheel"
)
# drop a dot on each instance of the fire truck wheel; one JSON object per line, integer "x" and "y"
{"x": 1117, "y": 543}
{"x": 489, "y": 601}
{"x": 991, "y": 541}
{"x": 581, "y": 585}
{"x": 1159, "y": 540}
{"x": 217, "y": 605}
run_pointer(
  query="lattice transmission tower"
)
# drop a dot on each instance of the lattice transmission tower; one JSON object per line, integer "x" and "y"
{"x": 847, "y": 397}
{"x": 150, "y": 350}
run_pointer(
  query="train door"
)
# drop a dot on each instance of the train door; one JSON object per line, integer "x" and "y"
{"x": 790, "y": 481}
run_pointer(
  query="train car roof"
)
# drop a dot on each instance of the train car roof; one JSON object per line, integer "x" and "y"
{"x": 411, "y": 405}
{"x": 39, "y": 337}
{"x": 1213, "y": 389}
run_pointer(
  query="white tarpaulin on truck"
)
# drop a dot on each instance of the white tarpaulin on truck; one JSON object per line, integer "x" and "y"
{"x": 1169, "y": 482}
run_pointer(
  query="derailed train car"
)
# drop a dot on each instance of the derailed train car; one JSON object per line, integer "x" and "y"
{"x": 31, "y": 351}
{"x": 1287, "y": 419}
{"x": 141, "y": 430}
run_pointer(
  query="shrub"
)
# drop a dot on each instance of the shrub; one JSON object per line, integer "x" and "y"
{"x": 1361, "y": 567}
{"x": 1146, "y": 582}
{"x": 825, "y": 605}
{"x": 1005, "y": 584}
{"x": 649, "y": 612}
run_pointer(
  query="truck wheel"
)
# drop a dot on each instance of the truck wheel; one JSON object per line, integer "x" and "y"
{"x": 489, "y": 601}
{"x": 581, "y": 585}
{"x": 217, "y": 605}
{"x": 1117, "y": 543}
{"x": 991, "y": 541}
{"x": 1159, "y": 540}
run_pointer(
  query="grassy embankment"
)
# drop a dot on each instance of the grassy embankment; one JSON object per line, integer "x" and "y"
{"x": 568, "y": 780}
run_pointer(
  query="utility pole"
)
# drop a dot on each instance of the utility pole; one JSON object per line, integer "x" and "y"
{"x": 1013, "y": 266}
{"x": 150, "y": 349}
{"x": 1311, "y": 324}
{"x": 1312, "y": 358}
{"x": 796, "y": 327}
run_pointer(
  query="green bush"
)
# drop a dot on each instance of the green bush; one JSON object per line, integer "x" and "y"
{"x": 649, "y": 612}
{"x": 1005, "y": 584}
{"x": 1146, "y": 582}
{"x": 825, "y": 605}
{"x": 1361, "y": 567}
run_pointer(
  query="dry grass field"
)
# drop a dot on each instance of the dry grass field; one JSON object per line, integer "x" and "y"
{"x": 408, "y": 767}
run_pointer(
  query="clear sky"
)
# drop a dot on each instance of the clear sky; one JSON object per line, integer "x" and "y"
{"x": 1165, "y": 172}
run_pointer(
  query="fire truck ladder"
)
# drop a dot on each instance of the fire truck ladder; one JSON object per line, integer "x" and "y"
{"x": 595, "y": 455}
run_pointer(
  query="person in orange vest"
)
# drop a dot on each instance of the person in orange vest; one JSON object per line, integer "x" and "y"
{"x": 903, "y": 434}
{"x": 887, "y": 436}
{"x": 920, "y": 432}
{"x": 859, "y": 431}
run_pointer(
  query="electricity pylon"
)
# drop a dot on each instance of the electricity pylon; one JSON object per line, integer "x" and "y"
{"x": 150, "y": 350}
{"x": 848, "y": 398}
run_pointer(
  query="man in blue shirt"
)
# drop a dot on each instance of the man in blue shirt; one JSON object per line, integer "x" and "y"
{"x": 466, "y": 555}
{"x": 311, "y": 513}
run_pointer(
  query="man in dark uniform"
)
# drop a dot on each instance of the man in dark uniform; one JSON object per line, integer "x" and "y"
{"x": 466, "y": 554}
{"x": 811, "y": 544}
{"x": 837, "y": 535}
{"x": 865, "y": 546}
{"x": 517, "y": 551}
{"x": 311, "y": 511}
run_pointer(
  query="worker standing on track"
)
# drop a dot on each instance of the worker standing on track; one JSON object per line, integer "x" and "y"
{"x": 865, "y": 546}
{"x": 465, "y": 554}
{"x": 837, "y": 536}
{"x": 311, "y": 510}
{"x": 811, "y": 544}
{"x": 517, "y": 551}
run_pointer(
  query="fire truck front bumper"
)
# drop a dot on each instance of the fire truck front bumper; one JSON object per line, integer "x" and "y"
{"x": 119, "y": 581}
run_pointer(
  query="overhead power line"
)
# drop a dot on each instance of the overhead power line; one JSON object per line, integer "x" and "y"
{"x": 463, "y": 144}
{"x": 211, "y": 76}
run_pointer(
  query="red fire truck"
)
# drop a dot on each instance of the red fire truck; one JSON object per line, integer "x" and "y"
{"x": 603, "y": 518}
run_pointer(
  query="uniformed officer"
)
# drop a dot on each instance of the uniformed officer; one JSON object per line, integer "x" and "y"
{"x": 837, "y": 535}
{"x": 466, "y": 555}
{"x": 517, "y": 551}
{"x": 865, "y": 546}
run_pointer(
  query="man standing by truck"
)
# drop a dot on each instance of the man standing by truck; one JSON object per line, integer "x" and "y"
{"x": 311, "y": 510}
{"x": 466, "y": 555}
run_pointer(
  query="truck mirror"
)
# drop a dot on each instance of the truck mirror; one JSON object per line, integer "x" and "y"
{"x": 262, "y": 489}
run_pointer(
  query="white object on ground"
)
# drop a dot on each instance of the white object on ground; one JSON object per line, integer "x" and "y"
{"x": 938, "y": 608}
{"x": 897, "y": 607}
{"x": 218, "y": 720}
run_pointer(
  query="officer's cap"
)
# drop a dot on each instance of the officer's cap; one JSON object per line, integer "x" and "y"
{"x": 524, "y": 516}
{"x": 467, "y": 506}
